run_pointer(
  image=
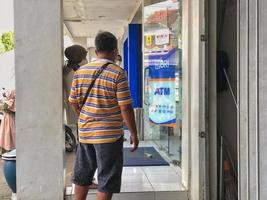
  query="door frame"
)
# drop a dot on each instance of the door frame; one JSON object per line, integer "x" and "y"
{"x": 199, "y": 102}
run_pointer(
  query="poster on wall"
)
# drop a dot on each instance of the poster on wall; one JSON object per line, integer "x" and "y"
{"x": 161, "y": 39}
{"x": 148, "y": 40}
{"x": 162, "y": 104}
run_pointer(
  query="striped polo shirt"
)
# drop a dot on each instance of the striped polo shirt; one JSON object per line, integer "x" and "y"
{"x": 100, "y": 119}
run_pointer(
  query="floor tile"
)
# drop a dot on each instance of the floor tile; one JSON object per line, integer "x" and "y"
{"x": 159, "y": 170}
{"x": 181, "y": 195}
{"x": 136, "y": 187}
{"x": 132, "y": 170}
{"x": 171, "y": 196}
{"x": 69, "y": 197}
{"x": 90, "y": 197}
{"x": 135, "y": 196}
{"x": 68, "y": 191}
{"x": 137, "y": 178}
{"x": 168, "y": 178}
{"x": 167, "y": 186}
{"x": 128, "y": 196}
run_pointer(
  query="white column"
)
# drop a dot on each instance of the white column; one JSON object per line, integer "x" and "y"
{"x": 39, "y": 136}
{"x": 194, "y": 147}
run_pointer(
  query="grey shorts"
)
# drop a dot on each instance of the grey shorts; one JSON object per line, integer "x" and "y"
{"x": 107, "y": 158}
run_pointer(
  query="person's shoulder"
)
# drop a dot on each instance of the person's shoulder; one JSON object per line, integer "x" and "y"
{"x": 87, "y": 67}
{"x": 116, "y": 68}
{"x": 90, "y": 65}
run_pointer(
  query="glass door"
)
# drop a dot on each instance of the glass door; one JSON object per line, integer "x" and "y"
{"x": 175, "y": 84}
{"x": 163, "y": 75}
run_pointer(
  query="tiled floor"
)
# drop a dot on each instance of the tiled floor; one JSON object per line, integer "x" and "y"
{"x": 145, "y": 179}
{"x": 140, "y": 179}
{"x": 143, "y": 196}
{"x": 148, "y": 183}
{"x": 155, "y": 182}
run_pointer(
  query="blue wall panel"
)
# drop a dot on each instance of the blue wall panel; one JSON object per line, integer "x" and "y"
{"x": 135, "y": 63}
{"x": 125, "y": 56}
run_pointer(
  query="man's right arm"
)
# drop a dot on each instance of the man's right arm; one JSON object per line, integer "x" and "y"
{"x": 125, "y": 103}
{"x": 129, "y": 119}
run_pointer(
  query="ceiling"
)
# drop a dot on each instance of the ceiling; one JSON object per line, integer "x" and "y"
{"x": 85, "y": 18}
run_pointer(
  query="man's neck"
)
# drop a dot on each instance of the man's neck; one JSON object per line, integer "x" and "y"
{"x": 105, "y": 58}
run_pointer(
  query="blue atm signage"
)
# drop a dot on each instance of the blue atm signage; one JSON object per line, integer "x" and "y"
{"x": 162, "y": 105}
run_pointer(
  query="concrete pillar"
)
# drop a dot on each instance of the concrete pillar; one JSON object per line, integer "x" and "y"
{"x": 252, "y": 98}
{"x": 38, "y": 63}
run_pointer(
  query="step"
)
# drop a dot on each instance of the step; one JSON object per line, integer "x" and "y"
{"x": 153, "y": 195}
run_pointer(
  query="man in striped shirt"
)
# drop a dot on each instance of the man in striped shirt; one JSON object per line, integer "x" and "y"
{"x": 101, "y": 121}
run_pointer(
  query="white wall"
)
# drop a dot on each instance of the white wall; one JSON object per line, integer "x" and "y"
{"x": 7, "y": 71}
{"x": 6, "y": 16}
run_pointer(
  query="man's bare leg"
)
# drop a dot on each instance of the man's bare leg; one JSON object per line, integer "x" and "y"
{"x": 93, "y": 186}
{"x": 103, "y": 196}
{"x": 81, "y": 192}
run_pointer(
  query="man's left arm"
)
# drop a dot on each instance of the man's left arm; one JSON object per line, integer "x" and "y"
{"x": 75, "y": 108}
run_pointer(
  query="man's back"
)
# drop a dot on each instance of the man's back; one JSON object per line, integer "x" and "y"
{"x": 100, "y": 119}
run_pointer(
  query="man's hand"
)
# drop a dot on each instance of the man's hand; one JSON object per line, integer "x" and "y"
{"x": 75, "y": 108}
{"x": 129, "y": 119}
{"x": 135, "y": 141}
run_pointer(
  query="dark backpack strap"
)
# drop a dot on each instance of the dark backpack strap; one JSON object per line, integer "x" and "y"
{"x": 102, "y": 68}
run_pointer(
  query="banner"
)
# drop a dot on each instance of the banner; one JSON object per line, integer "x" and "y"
{"x": 162, "y": 102}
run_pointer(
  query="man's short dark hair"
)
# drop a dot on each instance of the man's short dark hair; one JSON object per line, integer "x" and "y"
{"x": 106, "y": 42}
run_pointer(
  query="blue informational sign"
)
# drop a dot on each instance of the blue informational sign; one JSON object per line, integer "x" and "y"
{"x": 162, "y": 102}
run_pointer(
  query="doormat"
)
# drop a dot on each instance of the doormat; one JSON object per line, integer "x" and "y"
{"x": 143, "y": 156}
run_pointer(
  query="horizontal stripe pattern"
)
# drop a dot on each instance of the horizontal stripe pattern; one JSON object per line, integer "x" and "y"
{"x": 95, "y": 68}
{"x": 91, "y": 77}
{"x": 100, "y": 119}
{"x": 93, "y": 105}
{"x": 101, "y": 137}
